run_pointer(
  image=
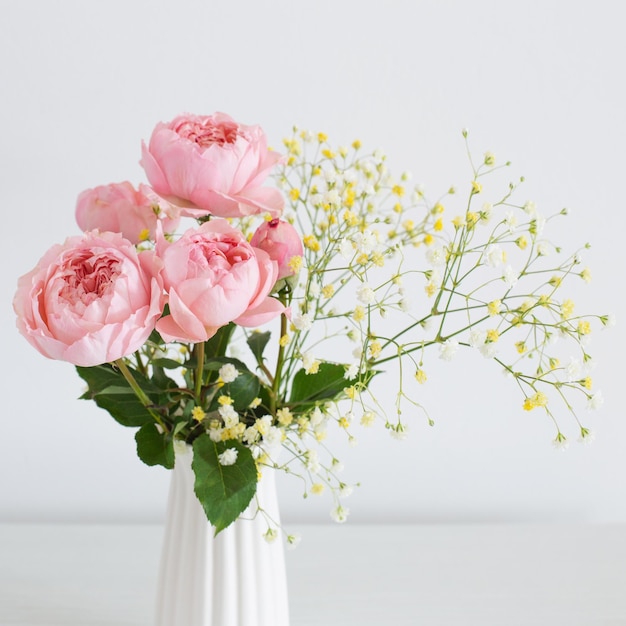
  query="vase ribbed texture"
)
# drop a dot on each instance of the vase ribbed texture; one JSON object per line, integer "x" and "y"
{"x": 234, "y": 579}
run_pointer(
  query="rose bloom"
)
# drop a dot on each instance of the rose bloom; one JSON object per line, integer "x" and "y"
{"x": 91, "y": 300}
{"x": 213, "y": 276}
{"x": 212, "y": 165}
{"x": 281, "y": 241}
{"x": 120, "y": 208}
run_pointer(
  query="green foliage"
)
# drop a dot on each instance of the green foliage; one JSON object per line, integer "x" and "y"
{"x": 223, "y": 490}
{"x": 155, "y": 447}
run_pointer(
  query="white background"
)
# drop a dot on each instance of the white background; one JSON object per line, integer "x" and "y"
{"x": 539, "y": 83}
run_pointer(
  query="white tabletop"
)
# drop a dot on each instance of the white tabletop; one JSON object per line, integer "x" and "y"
{"x": 349, "y": 575}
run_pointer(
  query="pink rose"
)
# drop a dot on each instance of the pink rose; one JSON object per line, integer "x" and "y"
{"x": 90, "y": 300}
{"x": 212, "y": 165}
{"x": 213, "y": 276}
{"x": 120, "y": 208}
{"x": 281, "y": 241}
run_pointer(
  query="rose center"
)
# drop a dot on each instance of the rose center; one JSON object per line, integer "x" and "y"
{"x": 87, "y": 278}
{"x": 207, "y": 133}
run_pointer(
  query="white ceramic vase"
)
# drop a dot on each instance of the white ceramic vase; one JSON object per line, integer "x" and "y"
{"x": 234, "y": 579}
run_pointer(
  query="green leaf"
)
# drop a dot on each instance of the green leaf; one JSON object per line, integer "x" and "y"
{"x": 108, "y": 388}
{"x": 327, "y": 384}
{"x": 257, "y": 342}
{"x": 223, "y": 490}
{"x": 155, "y": 447}
{"x": 243, "y": 390}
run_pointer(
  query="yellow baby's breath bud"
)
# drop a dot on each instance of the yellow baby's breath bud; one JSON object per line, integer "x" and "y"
{"x": 458, "y": 222}
{"x": 284, "y": 340}
{"x": 587, "y": 382}
{"x": 540, "y": 399}
{"x": 520, "y": 346}
{"x": 521, "y": 242}
{"x": 494, "y": 307}
{"x": 584, "y": 327}
{"x": 567, "y": 309}
{"x": 317, "y": 170}
{"x": 350, "y": 218}
{"x": 294, "y": 194}
{"x": 291, "y": 160}
{"x": 328, "y": 290}
{"x": 471, "y": 218}
{"x": 356, "y": 144}
{"x": 420, "y": 376}
{"x": 544, "y": 300}
{"x": 586, "y": 275}
{"x": 428, "y": 239}
{"x": 359, "y": 314}
{"x": 438, "y": 225}
{"x": 492, "y": 336}
{"x": 144, "y": 235}
{"x": 438, "y": 208}
{"x": 198, "y": 413}
{"x": 284, "y": 416}
{"x": 378, "y": 259}
{"x": 431, "y": 289}
{"x": 555, "y": 281}
{"x": 322, "y": 137}
{"x": 317, "y": 489}
{"x": 398, "y": 190}
{"x": 351, "y": 392}
{"x": 224, "y": 400}
{"x": 408, "y": 225}
{"x": 362, "y": 259}
{"x": 255, "y": 403}
{"x": 375, "y": 349}
{"x": 329, "y": 154}
{"x": 344, "y": 422}
{"x": 528, "y": 405}
{"x": 398, "y": 208}
{"x": 295, "y": 263}
{"x": 476, "y": 187}
{"x": 311, "y": 242}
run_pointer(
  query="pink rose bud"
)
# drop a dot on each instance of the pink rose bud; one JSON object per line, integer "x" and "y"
{"x": 91, "y": 300}
{"x": 281, "y": 241}
{"x": 120, "y": 208}
{"x": 213, "y": 276}
{"x": 212, "y": 165}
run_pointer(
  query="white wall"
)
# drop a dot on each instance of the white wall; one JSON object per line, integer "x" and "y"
{"x": 539, "y": 83}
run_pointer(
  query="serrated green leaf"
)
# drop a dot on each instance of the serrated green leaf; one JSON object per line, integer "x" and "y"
{"x": 223, "y": 490}
{"x": 257, "y": 342}
{"x": 154, "y": 447}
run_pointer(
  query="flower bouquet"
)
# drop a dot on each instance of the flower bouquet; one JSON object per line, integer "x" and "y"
{"x": 246, "y": 334}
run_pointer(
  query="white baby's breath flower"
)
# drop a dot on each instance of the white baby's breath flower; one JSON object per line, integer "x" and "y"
{"x": 302, "y": 321}
{"x": 510, "y": 221}
{"x": 543, "y": 249}
{"x": 365, "y": 294}
{"x": 436, "y": 256}
{"x": 339, "y": 514}
{"x": 346, "y": 249}
{"x": 448, "y": 349}
{"x": 488, "y": 350}
{"x": 595, "y": 401}
{"x": 494, "y": 255}
{"x": 273, "y": 437}
{"x": 228, "y": 372}
{"x": 228, "y": 457}
{"x": 293, "y": 540}
{"x": 509, "y": 276}
{"x": 477, "y": 338}
{"x": 351, "y": 371}
{"x": 229, "y": 415}
{"x": 531, "y": 208}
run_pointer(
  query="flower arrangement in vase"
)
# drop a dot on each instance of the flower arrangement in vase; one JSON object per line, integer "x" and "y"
{"x": 265, "y": 321}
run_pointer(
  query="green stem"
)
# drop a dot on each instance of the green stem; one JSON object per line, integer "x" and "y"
{"x": 139, "y": 392}
{"x": 199, "y": 349}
